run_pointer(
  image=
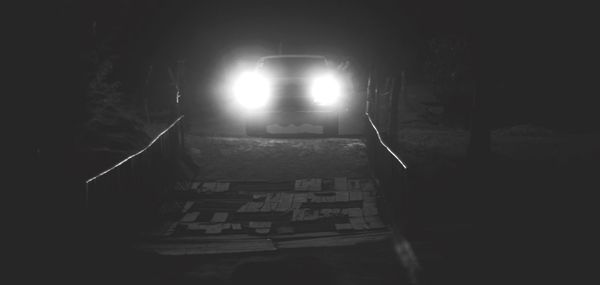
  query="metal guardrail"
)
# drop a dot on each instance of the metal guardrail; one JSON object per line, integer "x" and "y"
{"x": 125, "y": 196}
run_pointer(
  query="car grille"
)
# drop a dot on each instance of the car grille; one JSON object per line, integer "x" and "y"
{"x": 291, "y": 97}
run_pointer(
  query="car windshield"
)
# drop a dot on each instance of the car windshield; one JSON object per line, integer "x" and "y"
{"x": 292, "y": 66}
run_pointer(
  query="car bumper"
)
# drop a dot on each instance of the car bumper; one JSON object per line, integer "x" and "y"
{"x": 286, "y": 118}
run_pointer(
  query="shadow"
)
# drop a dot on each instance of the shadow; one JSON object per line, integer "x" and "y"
{"x": 296, "y": 270}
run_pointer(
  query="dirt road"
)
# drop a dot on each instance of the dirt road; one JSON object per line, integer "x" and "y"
{"x": 222, "y": 153}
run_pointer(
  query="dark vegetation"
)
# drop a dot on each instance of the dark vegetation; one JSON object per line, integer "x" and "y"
{"x": 448, "y": 67}
{"x": 528, "y": 65}
{"x": 488, "y": 173}
{"x": 124, "y": 85}
{"x": 111, "y": 123}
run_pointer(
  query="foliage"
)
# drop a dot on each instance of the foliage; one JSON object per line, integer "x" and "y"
{"x": 111, "y": 124}
{"x": 448, "y": 67}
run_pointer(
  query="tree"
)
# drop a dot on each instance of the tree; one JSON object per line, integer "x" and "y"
{"x": 448, "y": 67}
{"x": 110, "y": 123}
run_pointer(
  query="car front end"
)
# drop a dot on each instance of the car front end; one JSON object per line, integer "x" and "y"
{"x": 290, "y": 94}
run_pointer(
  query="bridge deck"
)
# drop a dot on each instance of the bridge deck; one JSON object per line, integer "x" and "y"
{"x": 241, "y": 216}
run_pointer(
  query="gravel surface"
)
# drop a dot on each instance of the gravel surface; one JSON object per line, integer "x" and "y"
{"x": 245, "y": 158}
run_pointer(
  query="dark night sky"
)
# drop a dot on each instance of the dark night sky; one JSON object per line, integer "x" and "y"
{"x": 541, "y": 50}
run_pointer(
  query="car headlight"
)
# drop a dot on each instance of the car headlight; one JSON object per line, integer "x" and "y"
{"x": 325, "y": 90}
{"x": 252, "y": 90}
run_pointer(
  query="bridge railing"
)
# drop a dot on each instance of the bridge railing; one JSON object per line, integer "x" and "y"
{"x": 124, "y": 197}
{"x": 389, "y": 171}
{"x": 388, "y": 168}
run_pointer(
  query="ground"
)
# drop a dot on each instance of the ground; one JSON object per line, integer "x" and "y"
{"x": 247, "y": 158}
{"x": 236, "y": 157}
{"x": 506, "y": 213}
{"x": 464, "y": 221}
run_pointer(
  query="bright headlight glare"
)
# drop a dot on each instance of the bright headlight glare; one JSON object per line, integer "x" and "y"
{"x": 252, "y": 90}
{"x": 325, "y": 90}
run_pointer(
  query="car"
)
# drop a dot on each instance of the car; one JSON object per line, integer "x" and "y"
{"x": 291, "y": 94}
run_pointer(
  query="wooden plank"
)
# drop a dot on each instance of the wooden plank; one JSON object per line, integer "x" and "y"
{"x": 259, "y": 197}
{"x": 311, "y": 214}
{"x": 266, "y": 207}
{"x": 208, "y": 187}
{"x": 188, "y": 205}
{"x": 358, "y": 223}
{"x": 218, "y": 247}
{"x": 171, "y": 229}
{"x": 268, "y": 186}
{"x": 297, "y": 205}
{"x": 338, "y": 240}
{"x": 342, "y": 196}
{"x": 298, "y": 214}
{"x": 250, "y": 207}
{"x": 207, "y": 238}
{"x": 343, "y": 227}
{"x": 353, "y": 185}
{"x": 285, "y": 230}
{"x": 219, "y": 217}
{"x": 311, "y": 184}
{"x": 369, "y": 198}
{"x": 301, "y": 185}
{"x": 197, "y": 226}
{"x": 370, "y": 211}
{"x": 306, "y": 235}
{"x": 300, "y": 197}
{"x": 190, "y": 217}
{"x": 316, "y": 199}
{"x": 315, "y": 184}
{"x": 355, "y": 212}
{"x": 214, "y": 187}
{"x": 222, "y": 187}
{"x": 325, "y": 197}
{"x": 340, "y": 184}
{"x": 262, "y": 231}
{"x": 196, "y": 185}
{"x": 163, "y": 230}
{"x": 355, "y": 196}
{"x": 374, "y": 222}
{"x": 259, "y": 224}
{"x": 214, "y": 229}
{"x": 170, "y": 207}
{"x": 367, "y": 186}
{"x": 243, "y": 208}
{"x": 329, "y": 212}
{"x": 286, "y": 202}
{"x": 275, "y": 200}
{"x": 330, "y": 199}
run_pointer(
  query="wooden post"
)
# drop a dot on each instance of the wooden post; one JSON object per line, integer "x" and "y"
{"x": 148, "y": 121}
{"x": 393, "y": 110}
{"x": 479, "y": 142}
{"x": 174, "y": 105}
{"x": 145, "y": 94}
{"x": 179, "y": 78}
{"x": 369, "y": 95}
{"x": 375, "y": 108}
{"x": 384, "y": 107}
